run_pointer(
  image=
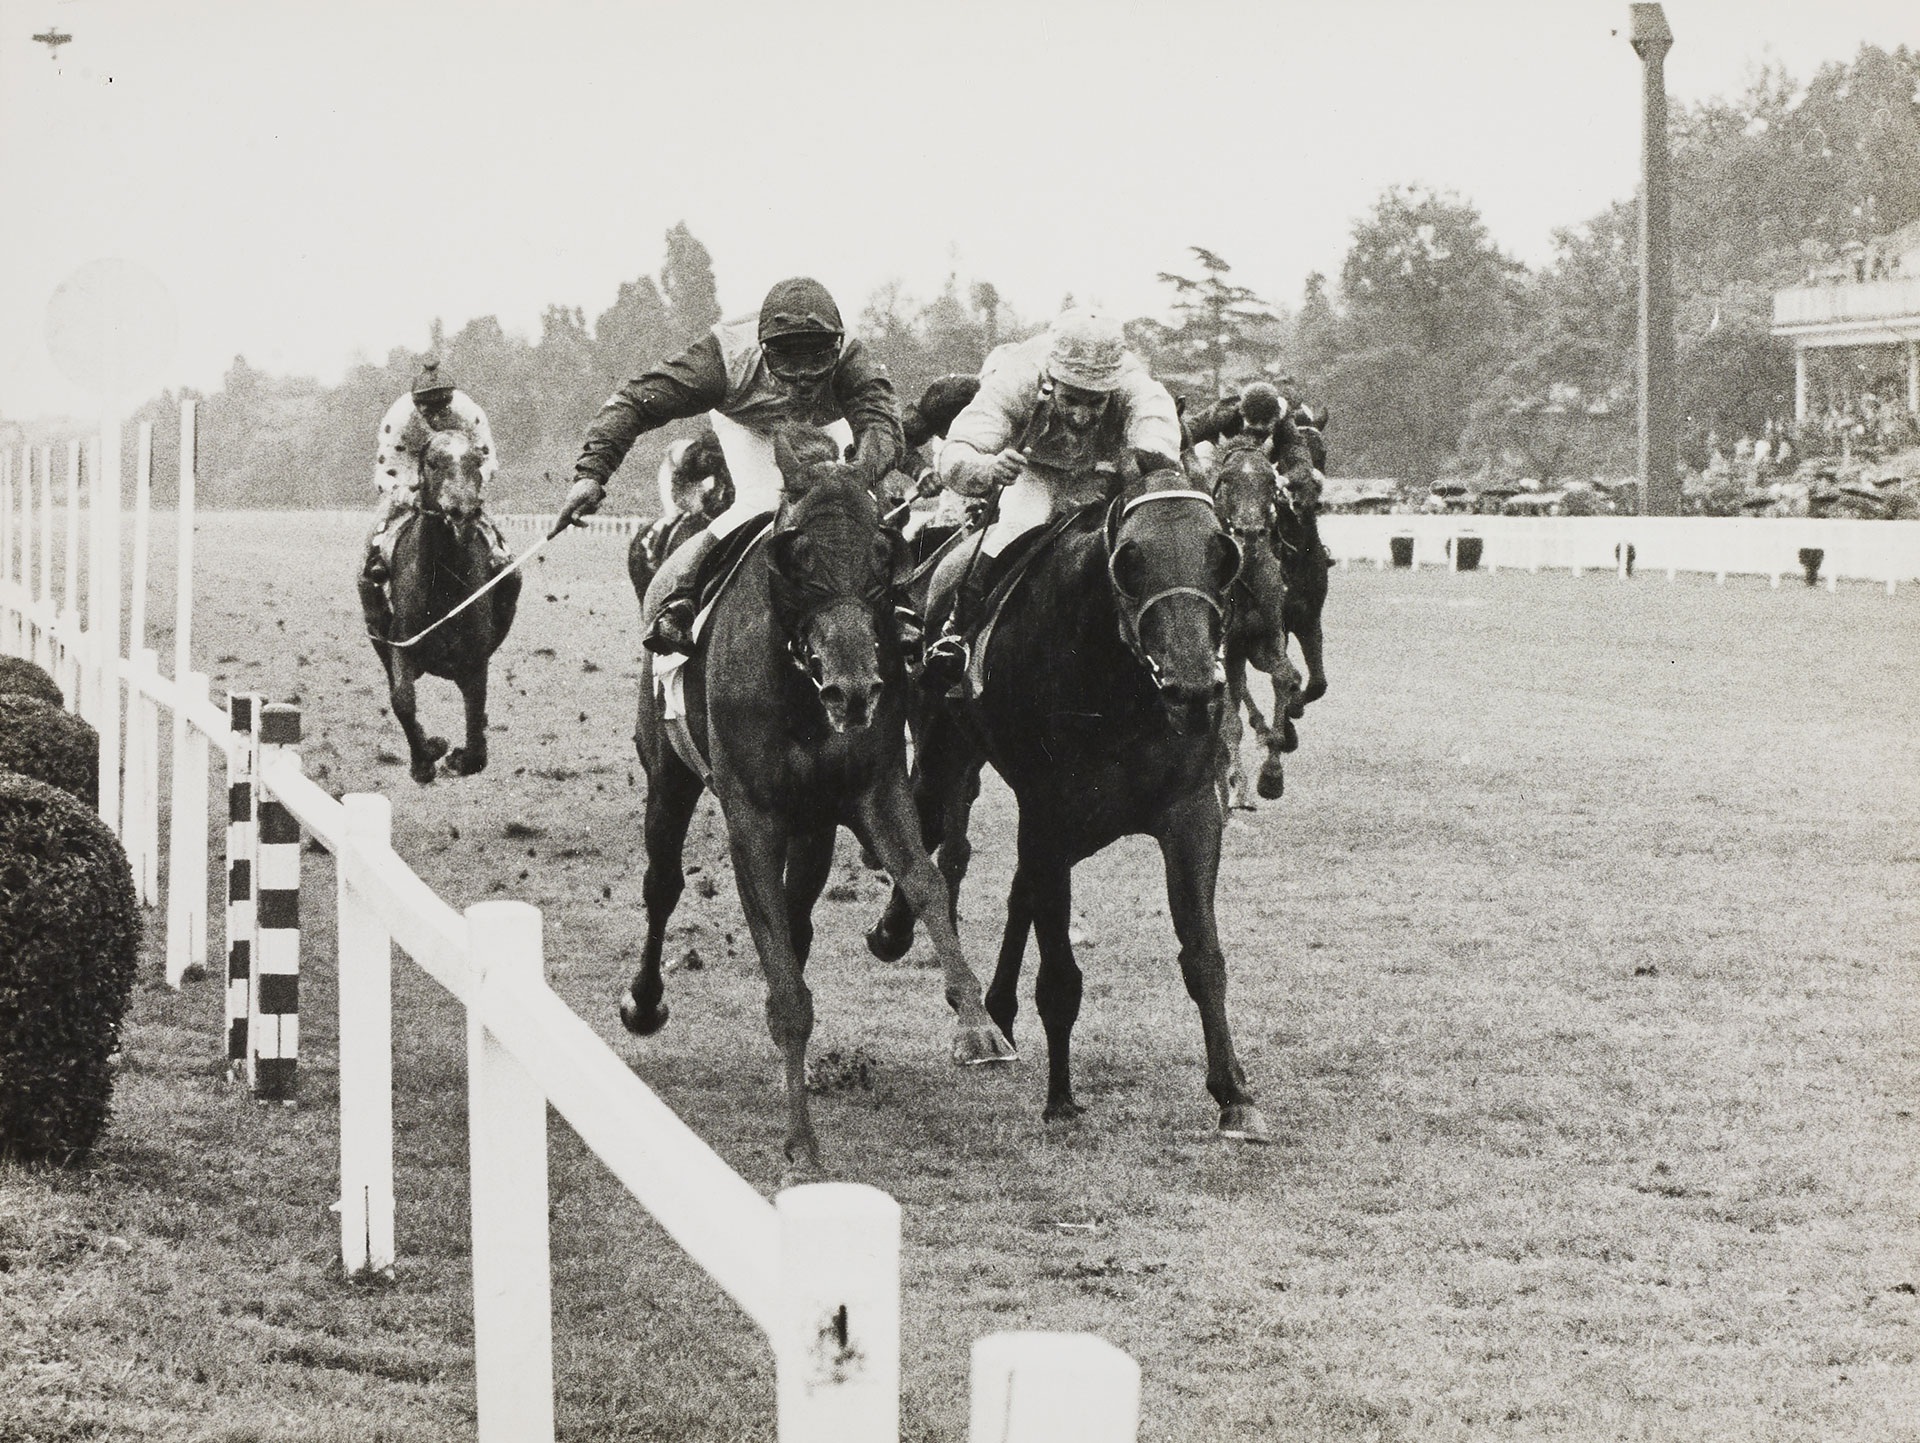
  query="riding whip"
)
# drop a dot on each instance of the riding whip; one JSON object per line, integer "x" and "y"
{"x": 486, "y": 586}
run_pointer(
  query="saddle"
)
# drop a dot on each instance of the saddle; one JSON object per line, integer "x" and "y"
{"x": 1016, "y": 561}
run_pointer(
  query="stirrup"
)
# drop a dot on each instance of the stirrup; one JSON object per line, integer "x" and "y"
{"x": 944, "y": 665}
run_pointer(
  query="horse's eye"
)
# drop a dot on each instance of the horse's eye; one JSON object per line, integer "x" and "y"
{"x": 1126, "y": 568}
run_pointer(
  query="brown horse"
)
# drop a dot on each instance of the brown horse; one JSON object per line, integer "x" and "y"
{"x": 442, "y": 554}
{"x": 1101, "y": 710}
{"x": 797, "y": 702}
{"x": 1246, "y": 496}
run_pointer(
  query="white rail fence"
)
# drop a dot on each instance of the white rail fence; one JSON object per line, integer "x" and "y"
{"x": 817, "y": 1268}
{"x": 1886, "y": 552}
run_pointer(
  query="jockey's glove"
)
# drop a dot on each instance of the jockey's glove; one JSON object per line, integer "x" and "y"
{"x": 583, "y": 499}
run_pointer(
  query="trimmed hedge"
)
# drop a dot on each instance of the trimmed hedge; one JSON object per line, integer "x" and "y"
{"x": 50, "y": 744}
{"x": 69, "y": 942}
{"x": 20, "y": 677}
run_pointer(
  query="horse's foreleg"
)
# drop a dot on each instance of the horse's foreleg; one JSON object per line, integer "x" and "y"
{"x": 673, "y": 792}
{"x": 1003, "y": 996}
{"x": 423, "y": 751}
{"x": 809, "y": 860}
{"x": 1272, "y": 783}
{"x": 940, "y": 788}
{"x": 464, "y": 761}
{"x": 1232, "y": 779}
{"x": 758, "y": 843}
{"x": 1308, "y": 635}
{"x": 887, "y": 817}
{"x": 1190, "y": 847}
{"x": 1047, "y": 879}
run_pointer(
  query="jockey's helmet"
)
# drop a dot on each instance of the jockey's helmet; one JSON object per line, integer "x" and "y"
{"x": 800, "y": 330}
{"x": 1261, "y": 405}
{"x": 430, "y": 388}
{"x": 1087, "y": 350}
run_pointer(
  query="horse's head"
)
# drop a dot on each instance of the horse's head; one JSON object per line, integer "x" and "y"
{"x": 833, "y": 563}
{"x": 450, "y": 478}
{"x": 1171, "y": 564}
{"x": 1244, "y": 490}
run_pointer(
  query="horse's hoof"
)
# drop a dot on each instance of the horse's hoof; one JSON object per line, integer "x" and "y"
{"x": 463, "y": 763}
{"x": 1243, "y": 1122}
{"x": 424, "y": 774}
{"x": 436, "y": 748}
{"x": 803, "y": 1164}
{"x": 1273, "y": 781}
{"x": 973, "y": 1046}
{"x": 887, "y": 944}
{"x": 1065, "y": 1110}
{"x": 643, "y": 1024}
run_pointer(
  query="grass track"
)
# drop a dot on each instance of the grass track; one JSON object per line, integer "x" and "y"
{"x": 1577, "y": 971}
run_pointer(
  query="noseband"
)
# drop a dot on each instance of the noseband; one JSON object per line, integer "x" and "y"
{"x": 1132, "y": 613}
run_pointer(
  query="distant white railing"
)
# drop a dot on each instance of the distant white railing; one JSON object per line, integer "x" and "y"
{"x": 1886, "y": 552}
{"x": 817, "y": 1269}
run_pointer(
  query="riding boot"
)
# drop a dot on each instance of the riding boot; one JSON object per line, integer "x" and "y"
{"x": 374, "y": 606}
{"x": 948, "y": 653}
{"x": 672, "y": 629}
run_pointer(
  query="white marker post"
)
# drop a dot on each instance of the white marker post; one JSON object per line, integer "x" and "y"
{"x": 1053, "y": 1388}
{"x": 366, "y": 1058}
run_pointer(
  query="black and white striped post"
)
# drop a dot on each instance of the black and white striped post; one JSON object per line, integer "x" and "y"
{"x": 273, "y": 1012}
{"x": 243, "y": 709}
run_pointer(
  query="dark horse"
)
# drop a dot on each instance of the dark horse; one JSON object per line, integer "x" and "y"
{"x": 1101, "y": 709}
{"x": 797, "y": 703}
{"x": 1246, "y": 496}
{"x": 441, "y": 556}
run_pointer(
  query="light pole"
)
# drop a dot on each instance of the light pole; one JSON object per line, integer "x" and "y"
{"x": 1659, "y": 413}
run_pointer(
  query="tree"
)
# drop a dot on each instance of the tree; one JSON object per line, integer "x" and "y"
{"x": 1429, "y": 306}
{"x": 1220, "y": 324}
{"x": 634, "y": 332}
{"x": 693, "y": 299}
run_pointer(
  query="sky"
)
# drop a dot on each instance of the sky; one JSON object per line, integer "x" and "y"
{"x": 307, "y": 184}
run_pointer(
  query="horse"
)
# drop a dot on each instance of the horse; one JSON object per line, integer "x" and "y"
{"x": 1101, "y": 710}
{"x": 442, "y": 554}
{"x": 797, "y": 701}
{"x": 1304, "y": 564}
{"x": 1246, "y": 497}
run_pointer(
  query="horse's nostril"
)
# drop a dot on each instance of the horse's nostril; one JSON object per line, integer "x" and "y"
{"x": 833, "y": 696}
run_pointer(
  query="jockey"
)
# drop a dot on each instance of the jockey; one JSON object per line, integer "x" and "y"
{"x": 1059, "y": 421}
{"x": 794, "y": 362}
{"x": 434, "y": 404}
{"x": 1260, "y": 413}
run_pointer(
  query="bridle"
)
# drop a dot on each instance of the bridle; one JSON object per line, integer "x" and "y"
{"x": 1132, "y": 613}
{"x": 815, "y": 599}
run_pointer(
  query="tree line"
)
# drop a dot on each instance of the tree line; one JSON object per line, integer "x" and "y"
{"x": 1436, "y": 352}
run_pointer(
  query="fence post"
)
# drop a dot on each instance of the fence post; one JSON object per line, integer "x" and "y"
{"x": 9, "y": 625}
{"x": 273, "y": 1014}
{"x": 141, "y": 828}
{"x": 1052, "y": 1388}
{"x": 70, "y": 612}
{"x": 43, "y": 651}
{"x": 187, "y": 840}
{"x": 837, "y": 1357}
{"x": 366, "y": 1058}
{"x": 105, "y": 620}
{"x": 507, "y": 1138}
{"x": 243, "y": 710}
